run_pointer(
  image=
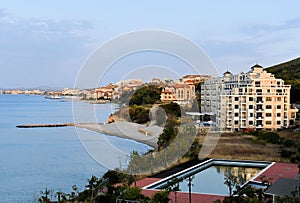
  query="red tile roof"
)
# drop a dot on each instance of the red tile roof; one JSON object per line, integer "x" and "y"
{"x": 183, "y": 197}
{"x": 146, "y": 181}
{"x": 279, "y": 170}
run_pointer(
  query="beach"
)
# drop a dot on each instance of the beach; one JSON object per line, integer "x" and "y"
{"x": 141, "y": 133}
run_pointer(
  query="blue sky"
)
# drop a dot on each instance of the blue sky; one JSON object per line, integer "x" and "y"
{"x": 44, "y": 43}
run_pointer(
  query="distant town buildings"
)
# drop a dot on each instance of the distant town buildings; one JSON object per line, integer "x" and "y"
{"x": 182, "y": 91}
{"x": 255, "y": 99}
{"x": 195, "y": 78}
{"x": 106, "y": 92}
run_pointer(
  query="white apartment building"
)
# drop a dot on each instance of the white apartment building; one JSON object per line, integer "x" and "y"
{"x": 255, "y": 99}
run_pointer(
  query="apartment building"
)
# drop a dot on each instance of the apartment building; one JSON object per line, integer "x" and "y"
{"x": 180, "y": 93}
{"x": 255, "y": 99}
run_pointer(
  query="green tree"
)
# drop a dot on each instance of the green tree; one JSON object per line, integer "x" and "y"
{"x": 172, "y": 109}
{"x": 231, "y": 182}
{"x": 149, "y": 94}
{"x": 161, "y": 197}
{"x": 169, "y": 133}
{"x": 139, "y": 114}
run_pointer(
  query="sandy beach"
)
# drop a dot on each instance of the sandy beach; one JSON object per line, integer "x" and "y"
{"x": 140, "y": 133}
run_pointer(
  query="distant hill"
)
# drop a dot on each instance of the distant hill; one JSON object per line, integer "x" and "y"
{"x": 290, "y": 73}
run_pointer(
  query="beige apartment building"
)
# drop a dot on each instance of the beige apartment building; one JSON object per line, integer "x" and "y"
{"x": 180, "y": 93}
{"x": 255, "y": 99}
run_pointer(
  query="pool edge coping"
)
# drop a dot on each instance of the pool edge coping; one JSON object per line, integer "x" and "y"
{"x": 207, "y": 164}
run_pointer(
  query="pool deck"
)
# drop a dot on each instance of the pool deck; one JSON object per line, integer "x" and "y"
{"x": 181, "y": 197}
{"x": 275, "y": 171}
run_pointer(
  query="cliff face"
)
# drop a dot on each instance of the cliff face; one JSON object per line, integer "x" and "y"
{"x": 121, "y": 115}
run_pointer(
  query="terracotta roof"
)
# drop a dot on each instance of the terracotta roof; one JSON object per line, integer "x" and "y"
{"x": 183, "y": 197}
{"x": 146, "y": 181}
{"x": 279, "y": 170}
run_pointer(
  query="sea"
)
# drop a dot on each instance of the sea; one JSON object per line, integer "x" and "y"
{"x": 33, "y": 159}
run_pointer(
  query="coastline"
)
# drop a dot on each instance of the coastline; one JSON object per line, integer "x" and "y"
{"x": 141, "y": 133}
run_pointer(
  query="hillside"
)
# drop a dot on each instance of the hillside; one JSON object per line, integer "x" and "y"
{"x": 290, "y": 72}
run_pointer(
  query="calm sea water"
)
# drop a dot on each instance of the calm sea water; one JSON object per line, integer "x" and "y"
{"x": 36, "y": 158}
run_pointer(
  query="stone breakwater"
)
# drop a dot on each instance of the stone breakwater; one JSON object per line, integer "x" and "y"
{"x": 45, "y": 125}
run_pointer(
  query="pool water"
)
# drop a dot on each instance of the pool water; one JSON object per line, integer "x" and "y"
{"x": 209, "y": 176}
{"x": 211, "y": 180}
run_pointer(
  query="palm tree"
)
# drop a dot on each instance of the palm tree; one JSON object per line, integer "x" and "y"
{"x": 92, "y": 185}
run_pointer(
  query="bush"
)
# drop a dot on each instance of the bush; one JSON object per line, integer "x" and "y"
{"x": 172, "y": 109}
{"x": 139, "y": 114}
{"x": 145, "y": 95}
{"x": 268, "y": 137}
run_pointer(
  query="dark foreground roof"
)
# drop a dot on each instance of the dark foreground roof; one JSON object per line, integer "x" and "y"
{"x": 178, "y": 168}
{"x": 283, "y": 187}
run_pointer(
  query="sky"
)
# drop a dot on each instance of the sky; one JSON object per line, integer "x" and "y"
{"x": 46, "y": 43}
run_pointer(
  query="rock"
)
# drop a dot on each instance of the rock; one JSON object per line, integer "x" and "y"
{"x": 111, "y": 118}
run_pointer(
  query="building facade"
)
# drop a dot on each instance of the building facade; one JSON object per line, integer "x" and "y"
{"x": 252, "y": 100}
{"x": 179, "y": 93}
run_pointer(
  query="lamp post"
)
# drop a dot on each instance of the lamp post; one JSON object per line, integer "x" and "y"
{"x": 190, "y": 188}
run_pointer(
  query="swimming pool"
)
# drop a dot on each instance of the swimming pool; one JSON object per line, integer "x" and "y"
{"x": 208, "y": 177}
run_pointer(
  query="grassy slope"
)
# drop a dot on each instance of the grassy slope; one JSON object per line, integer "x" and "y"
{"x": 290, "y": 72}
{"x": 240, "y": 146}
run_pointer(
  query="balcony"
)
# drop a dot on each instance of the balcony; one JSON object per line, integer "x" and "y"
{"x": 259, "y": 110}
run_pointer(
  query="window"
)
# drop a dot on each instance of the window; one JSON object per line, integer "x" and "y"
{"x": 250, "y": 98}
{"x": 236, "y": 99}
{"x": 278, "y": 107}
{"x": 278, "y": 98}
{"x": 250, "y": 122}
{"x": 268, "y": 90}
{"x": 258, "y": 91}
{"x": 257, "y": 83}
{"x": 268, "y": 122}
{"x": 251, "y": 115}
{"x": 268, "y": 115}
{"x": 236, "y": 114}
{"x": 269, "y": 99}
{"x": 250, "y": 106}
{"x": 278, "y": 114}
{"x": 278, "y": 122}
{"x": 236, "y": 106}
{"x": 259, "y": 99}
{"x": 268, "y": 107}
{"x": 236, "y": 122}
